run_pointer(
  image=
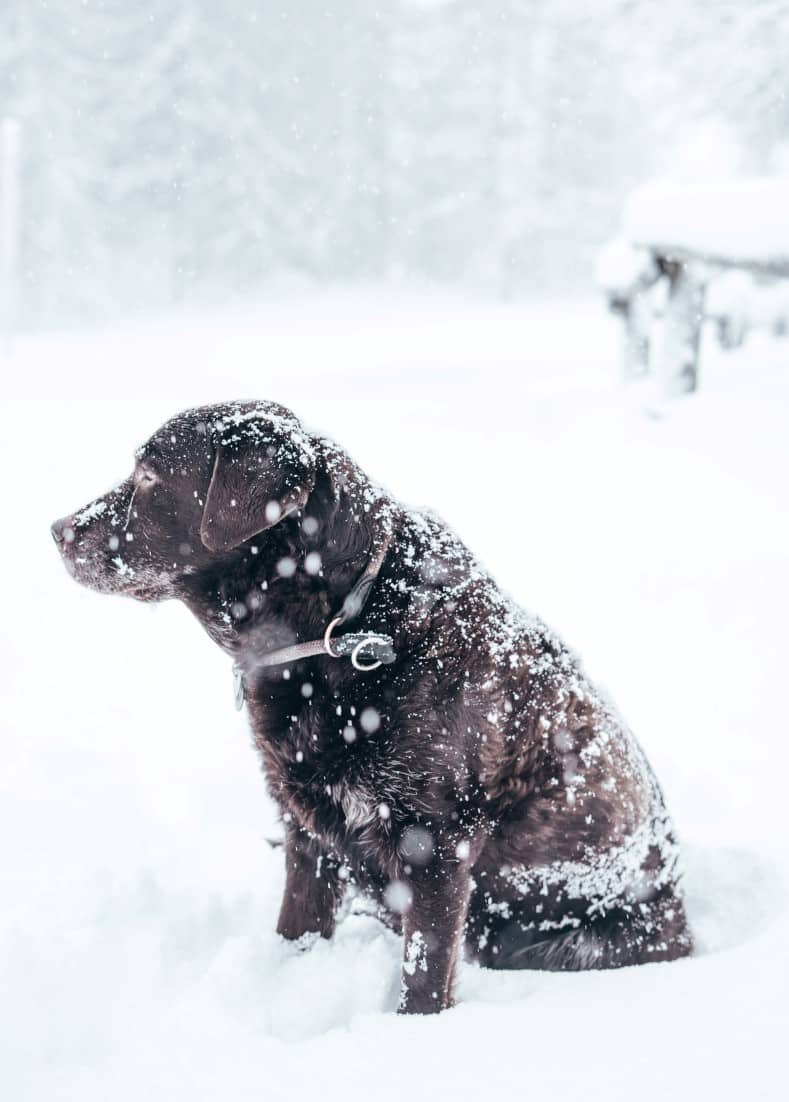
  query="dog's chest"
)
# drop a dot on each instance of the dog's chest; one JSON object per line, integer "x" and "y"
{"x": 321, "y": 756}
{"x": 359, "y": 806}
{"x": 345, "y": 812}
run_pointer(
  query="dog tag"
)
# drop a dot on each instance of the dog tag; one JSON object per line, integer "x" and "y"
{"x": 378, "y": 648}
{"x": 239, "y": 695}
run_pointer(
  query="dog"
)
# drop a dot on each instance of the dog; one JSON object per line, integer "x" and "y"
{"x": 447, "y": 759}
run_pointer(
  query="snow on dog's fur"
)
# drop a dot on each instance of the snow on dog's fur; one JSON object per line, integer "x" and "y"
{"x": 491, "y": 796}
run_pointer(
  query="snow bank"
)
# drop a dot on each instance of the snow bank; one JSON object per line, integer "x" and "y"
{"x": 621, "y": 266}
{"x": 745, "y": 220}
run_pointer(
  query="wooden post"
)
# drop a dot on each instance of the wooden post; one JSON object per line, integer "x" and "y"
{"x": 679, "y": 360}
{"x": 637, "y": 323}
{"x": 9, "y": 231}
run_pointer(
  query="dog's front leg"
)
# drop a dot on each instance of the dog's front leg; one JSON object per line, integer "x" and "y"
{"x": 313, "y": 887}
{"x": 433, "y": 931}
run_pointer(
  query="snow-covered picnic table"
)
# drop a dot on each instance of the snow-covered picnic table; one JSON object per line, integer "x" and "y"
{"x": 676, "y": 239}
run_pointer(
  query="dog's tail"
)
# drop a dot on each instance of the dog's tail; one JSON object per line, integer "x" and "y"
{"x": 654, "y": 931}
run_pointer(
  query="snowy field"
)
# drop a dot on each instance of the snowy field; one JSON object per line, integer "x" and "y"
{"x": 139, "y": 892}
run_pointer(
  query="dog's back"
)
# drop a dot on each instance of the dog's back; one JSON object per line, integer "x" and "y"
{"x": 581, "y": 866}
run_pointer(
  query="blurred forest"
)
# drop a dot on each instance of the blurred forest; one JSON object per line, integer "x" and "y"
{"x": 177, "y": 151}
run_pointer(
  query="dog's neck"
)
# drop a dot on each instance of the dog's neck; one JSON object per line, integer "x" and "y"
{"x": 286, "y": 584}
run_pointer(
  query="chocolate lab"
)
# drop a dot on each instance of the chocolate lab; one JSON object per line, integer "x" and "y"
{"x": 431, "y": 746}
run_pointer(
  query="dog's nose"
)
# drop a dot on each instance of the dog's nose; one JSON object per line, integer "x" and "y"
{"x": 61, "y": 530}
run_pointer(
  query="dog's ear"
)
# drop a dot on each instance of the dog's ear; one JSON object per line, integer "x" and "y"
{"x": 264, "y": 469}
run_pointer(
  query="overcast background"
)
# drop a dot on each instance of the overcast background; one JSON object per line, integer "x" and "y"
{"x": 185, "y": 151}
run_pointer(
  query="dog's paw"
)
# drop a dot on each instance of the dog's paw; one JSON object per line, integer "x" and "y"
{"x": 300, "y": 943}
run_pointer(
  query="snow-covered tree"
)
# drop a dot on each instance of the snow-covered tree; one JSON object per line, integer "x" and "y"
{"x": 178, "y": 149}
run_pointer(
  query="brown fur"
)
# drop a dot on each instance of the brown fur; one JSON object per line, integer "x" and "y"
{"x": 479, "y": 788}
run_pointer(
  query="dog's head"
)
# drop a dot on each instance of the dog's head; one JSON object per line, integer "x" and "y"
{"x": 209, "y": 480}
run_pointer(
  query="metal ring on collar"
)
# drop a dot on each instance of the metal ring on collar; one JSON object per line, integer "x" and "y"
{"x": 357, "y": 665}
{"x": 327, "y": 637}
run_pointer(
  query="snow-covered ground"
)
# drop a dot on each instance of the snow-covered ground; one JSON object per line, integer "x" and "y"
{"x": 139, "y": 892}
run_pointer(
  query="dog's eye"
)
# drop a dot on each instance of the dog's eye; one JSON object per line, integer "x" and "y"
{"x": 144, "y": 476}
